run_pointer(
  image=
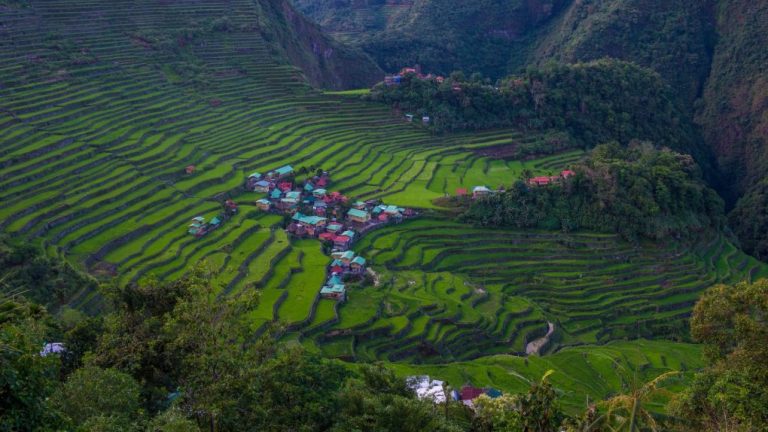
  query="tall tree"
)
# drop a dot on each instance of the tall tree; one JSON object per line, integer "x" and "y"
{"x": 732, "y": 393}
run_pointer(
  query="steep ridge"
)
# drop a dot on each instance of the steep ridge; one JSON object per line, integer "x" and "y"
{"x": 488, "y": 36}
{"x": 170, "y": 29}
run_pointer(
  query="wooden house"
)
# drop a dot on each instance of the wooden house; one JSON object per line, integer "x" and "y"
{"x": 190, "y": 169}
{"x": 335, "y": 227}
{"x": 540, "y": 181}
{"x": 425, "y": 120}
{"x": 480, "y": 191}
{"x": 264, "y": 204}
{"x": 320, "y": 208}
{"x": 357, "y": 265}
{"x": 341, "y": 242}
{"x": 334, "y": 292}
{"x": 358, "y": 216}
{"x": 261, "y": 186}
{"x": 347, "y": 257}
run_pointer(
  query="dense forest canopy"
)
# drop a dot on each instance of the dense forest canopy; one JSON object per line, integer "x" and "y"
{"x": 172, "y": 357}
{"x": 638, "y": 192}
{"x": 594, "y": 102}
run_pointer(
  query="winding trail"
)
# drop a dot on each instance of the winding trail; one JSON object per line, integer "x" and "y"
{"x": 533, "y": 347}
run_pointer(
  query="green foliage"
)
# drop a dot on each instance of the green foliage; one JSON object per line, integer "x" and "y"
{"x": 490, "y": 36}
{"x": 27, "y": 379}
{"x": 638, "y": 192}
{"x": 535, "y": 411}
{"x": 674, "y": 38}
{"x": 102, "y": 396}
{"x": 594, "y": 102}
{"x": 732, "y": 393}
{"x": 46, "y": 280}
{"x": 379, "y": 402}
{"x": 749, "y": 220}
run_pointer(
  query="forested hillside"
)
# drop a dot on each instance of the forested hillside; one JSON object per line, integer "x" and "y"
{"x": 711, "y": 53}
{"x": 488, "y": 36}
{"x": 198, "y": 233}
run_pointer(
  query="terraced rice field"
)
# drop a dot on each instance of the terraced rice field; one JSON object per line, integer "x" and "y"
{"x": 457, "y": 293}
{"x": 579, "y": 371}
{"x": 96, "y": 129}
{"x": 98, "y": 122}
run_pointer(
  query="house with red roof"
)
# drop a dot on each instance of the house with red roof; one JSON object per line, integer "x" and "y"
{"x": 540, "y": 181}
{"x": 341, "y": 241}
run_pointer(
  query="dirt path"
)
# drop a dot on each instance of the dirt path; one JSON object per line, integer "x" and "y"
{"x": 533, "y": 347}
{"x": 374, "y": 275}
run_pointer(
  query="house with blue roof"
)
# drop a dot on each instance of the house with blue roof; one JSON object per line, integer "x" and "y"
{"x": 261, "y": 186}
{"x": 358, "y": 216}
{"x": 357, "y": 265}
{"x": 334, "y": 292}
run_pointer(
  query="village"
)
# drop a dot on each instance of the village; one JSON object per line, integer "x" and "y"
{"x": 316, "y": 212}
{"x": 484, "y": 191}
{"x": 436, "y": 391}
{"x": 327, "y": 216}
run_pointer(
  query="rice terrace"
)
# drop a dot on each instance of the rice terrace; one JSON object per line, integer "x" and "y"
{"x": 140, "y": 139}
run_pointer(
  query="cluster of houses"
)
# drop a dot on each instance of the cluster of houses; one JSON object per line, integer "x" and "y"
{"x": 317, "y": 213}
{"x": 424, "y": 119}
{"x": 367, "y": 214}
{"x": 286, "y": 197}
{"x": 199, "y": 227}
{"x": 344, "y": 264}
{"x": 397, "y": 78}
{"x": 435, "y": 391}
{"x": 545, "y": 180}
{"x": 483, "y": 191}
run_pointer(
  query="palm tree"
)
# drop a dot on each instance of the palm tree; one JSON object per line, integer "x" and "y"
{"x": 627, "y": 412}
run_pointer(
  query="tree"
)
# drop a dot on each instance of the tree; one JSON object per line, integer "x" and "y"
{"x": 535, "y": 411}
{"x": 27, "y": 379}
{"x": 378, "y": 401}
{"x": 218, "y": 359}
{"x": 732, "y": 393}
{"x": 102, "y": 396}
{"x": 627, "y": 412}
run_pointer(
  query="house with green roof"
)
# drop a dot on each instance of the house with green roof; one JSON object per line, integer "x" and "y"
{"x": 334, "y": 292}
{"x": 284, "y": 171}
{"x": 358, "y": 264}
{"x": 335, "y": 227}
{"x": 358, "y": 216}
{"x": 264, "y": 204}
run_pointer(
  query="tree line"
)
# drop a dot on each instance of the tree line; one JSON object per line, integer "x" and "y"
{"x": 174, "y": 356}
{"x": 596, "y": 102}
{"x": 639, "y": 192}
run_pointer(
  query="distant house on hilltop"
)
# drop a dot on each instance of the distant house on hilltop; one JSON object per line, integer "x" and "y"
{"x": 480, "y": 191}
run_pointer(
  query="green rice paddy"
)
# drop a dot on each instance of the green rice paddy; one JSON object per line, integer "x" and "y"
{"x": 96, "y": 129}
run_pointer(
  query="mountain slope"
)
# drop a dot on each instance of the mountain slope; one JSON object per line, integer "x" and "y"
{"x": 675, "y": 38}
{"x": 325, "y": 62}
{"x": 175, "y": 28}
{"x": 734, "y": 117}
{"x": 488, "y": 36}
